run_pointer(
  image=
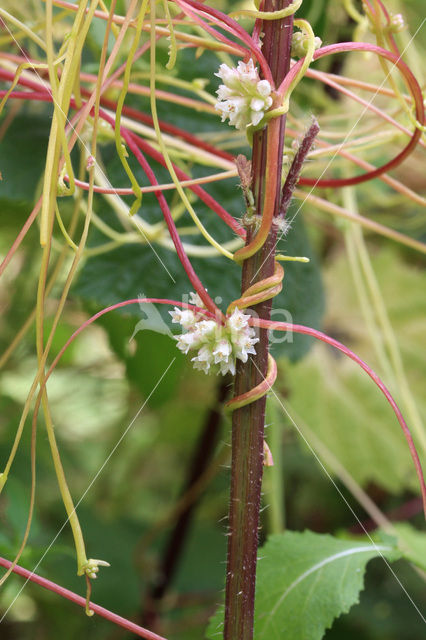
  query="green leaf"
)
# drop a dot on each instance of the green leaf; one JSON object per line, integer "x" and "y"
{"x": 22, "y": 156}
{"x": 136, "y": 347}
{"x": 157, "y": 272}
{"x": 305, "y": 581}
{"x": 412, "y": 543}
{"x": 134, "y": 269}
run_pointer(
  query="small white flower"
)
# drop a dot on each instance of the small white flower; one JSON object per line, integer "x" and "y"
{"x": 244, "y": 347}
{"x": 244, "y": 97}
{"x": 195, "y": 299}
{"x": 238, "y": 320}
{"x": 300, "y": 42}
{"x": 206, "y": 328}
{"x": 205, "y": 354}
{"x": 175, "y": 314}
{"x": 187, "y": 341}
{"x": 397, "y": 23}
{"x": 264, "y": 89}
{"x": 228, "y": 367}
{"x": 222, "y": 351}
{"x": 184, "y": 317}
{"x": 201, "y": 365}
{"x": 218, "y": 345}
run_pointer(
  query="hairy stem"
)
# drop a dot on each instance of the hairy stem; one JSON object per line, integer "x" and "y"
{"x": 248, "y": 421}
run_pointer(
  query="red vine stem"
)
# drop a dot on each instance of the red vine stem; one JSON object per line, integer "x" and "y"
{"x": 410, "y": 79}
{"x": 74, "y": 597}
{"x": 412, "y": 85}
{"x": 151, "y": 151}
{"x": 319, "y": 335}
{"x": 199, "y": 191}
{"x": 119, "y": 305}
{"x": 271, "y": 325}
{"x": 21, "y": 235}
{"x": 230, "y": 25}
{"x": 189, "y": 269}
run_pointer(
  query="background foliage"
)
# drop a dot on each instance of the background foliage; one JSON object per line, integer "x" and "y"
{"x": 103, "y": 381}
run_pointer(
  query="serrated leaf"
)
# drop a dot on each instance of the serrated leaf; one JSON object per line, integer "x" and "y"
{"x": 305, "y": 581}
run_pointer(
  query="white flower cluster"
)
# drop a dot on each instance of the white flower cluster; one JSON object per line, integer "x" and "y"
{"x": 300, "y": 42}
{"x": 397, "y": 23}
{"x": 218, "y": 346}
{"x": 244, "y": 97}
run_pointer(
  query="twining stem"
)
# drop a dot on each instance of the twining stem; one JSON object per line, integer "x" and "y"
{"x": 248, "y": 421}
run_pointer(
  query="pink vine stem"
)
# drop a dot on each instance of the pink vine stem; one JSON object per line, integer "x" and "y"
{"x": 201, "y": 193}
{"x": 74, "y": 597}
{"x": 279, "y": 326}
{"x": 21, "y": 235}
{"x": 189, "y": 269}
{"x": 194, "y": 9}
{"x": 412, "y": 84}
{"x": 298, "y": 328}
{"x": 197, "y": 189}
{"x": 119, "y": 305}
{"x": 395, "y": 58}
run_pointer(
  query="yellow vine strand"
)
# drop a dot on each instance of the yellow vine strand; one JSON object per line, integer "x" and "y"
{"x": 39, "y": 316}
{"x": 195, "y": 86}
{"x": 61, "y": 94}
{"x": 201, "y": 42}
{"x": 60, "y": 222}
{"x": 165, "y": 153}
{"x": 120, "y": 102}
{"x": 7, "y": 17}
{"x": 173, "y": 46}
{"x": 268, "y": 15}
{"x": 306, "y": 27}
{"x": 380, "y": 34}
{"x": 39, "y": 378}
{"x": 259, "y": 292}
{"x": 82, "y": 561}
{"x": 378, "y": 305}
{"x": 18, "y": 72}
{"x": 53, "y": 277}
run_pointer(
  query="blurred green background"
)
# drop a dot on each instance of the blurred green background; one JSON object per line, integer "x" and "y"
{"x": 128, "y": 473}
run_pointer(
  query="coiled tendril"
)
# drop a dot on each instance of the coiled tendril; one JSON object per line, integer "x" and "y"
{"x": 261, "y": 291}
{"x": 271, "y": 286}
